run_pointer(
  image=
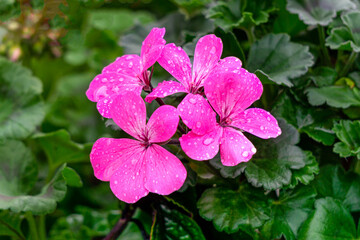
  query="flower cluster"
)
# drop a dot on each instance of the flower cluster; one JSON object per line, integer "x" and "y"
{"x": 214, "y": 87}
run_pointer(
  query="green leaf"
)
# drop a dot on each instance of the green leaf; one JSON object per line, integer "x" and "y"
{"x": 191, "y": 7}
{"x": 9, "y": 9}
{"x": 43, "y": 203}
{"x": 18, "y": 169}
{"x": 334, "y": 96}
{"x": 22, "y": 109}
{"x": 117, "y": 20}
{"x": 271, "y": 166}
{"x": 233, "y": 210}
{"x": 235, "y": 13}
{"x": 349, "y": 134}
{"x": 275, "y": 59}
{"x": 10, "y": 225}
{"x": 227, "y": 172}
{"x": 346, "y": 37}
{"x": 71, "y": 177}
{"x": 330, "y": 220}
{"x": 171, "y": 224}
{"x": 324, "y": 76}
{"x": 231, "y": 45}
{"x": 60, "y": 149}
{"x": 316, "y": 123}
{"x": 334, "y": 182}
{"x": 318, "y": 12}
{"x": 306, "y": 174}
{"x": 288, "y": 213}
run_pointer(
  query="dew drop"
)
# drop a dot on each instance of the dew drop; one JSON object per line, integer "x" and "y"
{"x": 192, "y": 100}
{"x": 208, "y": 141}
{"x": 253, "y": 150}
{"x": 245, "y": 154}
{"x": 198, "y": 124}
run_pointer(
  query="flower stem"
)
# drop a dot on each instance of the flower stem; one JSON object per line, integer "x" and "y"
{"x": 173, "y": 141}
{"x": 32, "y": 226}
{"x": 324, "y": 50}
{"x": 348, "y": 64}
{"x": 42, "y": 227}
{"x": 127, "y": 214}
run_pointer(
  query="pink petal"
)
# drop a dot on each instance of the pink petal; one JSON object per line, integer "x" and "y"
{"x": 164, "y": 89}
{"x": 257, "y": 122}
{"x": 129, "y": 113}
{"x": 127, "y": 64}
{"x": 175, "y": 60}
{"x": 164, "y": 172}
{"x": 230, "y": 63}
{"x": 104, "y": 105}
{"x": 128, "y": 182}
{"x": 231, "y": 92}
{"x": 235, "y": 147}
{"x": 162, "y": 124}
{"x": 152, "y": 47}
{"x": 107, "y": 84}
{"x": 207, "y": 55}
{"x": 108, "y": 154}
{"x": 201, "y": 147}
{"x": 197, "y": 114}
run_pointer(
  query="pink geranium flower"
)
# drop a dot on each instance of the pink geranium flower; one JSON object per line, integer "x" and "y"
{"x": 230, "y": 92}
{"x": 173, "y": 59}
{"x": 127, "y": 73}
{"x": 137, "y": 167}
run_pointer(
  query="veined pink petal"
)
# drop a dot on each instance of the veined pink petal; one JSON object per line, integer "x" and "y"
{"x": 162, "y": 124}
{"x": 207, "y": 54}
{"x": 104, "y": 105}
{"x": 235, "y": 147}
{"x": 201, "y": 147}
{"x": 164, "y": 89}
{"x": 128, "y": 182}
{"x": 231, "y": 92}
{"x": 230, "y": 63}
{"x": 152, "y": 47}
{"x": 107, "y": 84}
{"x": 108, "y": 154}
{"x": 127, "y": 64}
{"x": 175, "y": 60}
{"x": 129, "y": 113}
{"x": 164, "y": 172}
{"x": 197, "y": 114}
{"x": 257, "y": 122}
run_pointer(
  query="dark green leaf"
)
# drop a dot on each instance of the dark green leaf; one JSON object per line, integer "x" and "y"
{"x": 349, "y": 134}
{"x": 334, "y": 182}
{"x": 318, "y": 12}
{"x": 191, "y": 6}
{"x": 306, "y": 174}
{"x": 60, "y": 149}
{"x": 348, "y": 36}
{"x": 334, "y": 96}
{"x": 171, "y": 224}
{"x": 324, "y": 76}
{"x": 233, "y": 210}
{"x": 330, "y": 220}
{"x": 288, "y": 213}
{"x": 231, "y": 46}
{"x": 227, "y": 172}
{"x": 9, "y": 9}
{"x": 271, "y": 166}
{"x": 71, "y": 177}
{"x": 22, "y": 109}
{"x": 275, "y": 59}
{"x": 10, "y": 224}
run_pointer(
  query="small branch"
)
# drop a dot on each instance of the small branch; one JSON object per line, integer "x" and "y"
{"x": 173, "y": 141}
{"x": 32, "y": 226}
{"x": 160, "y": 101}
{"x": 324, "y": 50}
{"x": 348, "y": 64}
{"x": 141, "y": 228}
{"x": 122, "y": 223}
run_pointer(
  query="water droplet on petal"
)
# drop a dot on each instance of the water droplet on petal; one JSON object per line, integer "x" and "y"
{"x": 198, "y": 124}
{"x": 208, "y": 141}
{"x": 192, "y": 100}
{"x": 245, "y": 154}
{"x": 253, "y": 150}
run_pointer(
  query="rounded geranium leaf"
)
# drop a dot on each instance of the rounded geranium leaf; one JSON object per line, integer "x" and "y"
{"x": 21, "y": 107}
{"x": 275, "y": 59}
{"x": 319, "y": 12}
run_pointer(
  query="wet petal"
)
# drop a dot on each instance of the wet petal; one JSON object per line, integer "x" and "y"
{"x": 162, "y": 124}
{"x": 107, "y": 84}
{"x": 108, "y": 154}
{"x": 165, "y": 88}
{"x": 152, "y": 47}
{"x": 197, "y": 114}
{"x": 127, "y": 64}
{"x": 175, "y": 60}
{"x": 201, "y": 147}
{"x": 129, "y": 113}
{"x": 207, "y": 54}
{"x": 257, "y": 122}
{"x": 230, "y": 63}
{"x": 232, "y": 92}
{"x": 164, "y": 172}
{"x": 235, "y": 147}
{"x": 128, "y": 182}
